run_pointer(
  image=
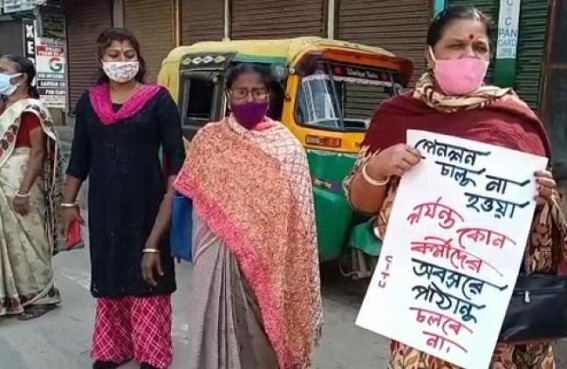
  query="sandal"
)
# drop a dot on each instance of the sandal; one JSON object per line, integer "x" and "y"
{"x": 147, "y": 366}
{"x": 34, "y": 312}
{"x": 99, "y": 364}
{"x": 105, "y": 365}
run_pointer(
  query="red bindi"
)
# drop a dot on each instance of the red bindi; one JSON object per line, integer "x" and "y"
{"x": 471, "y": 36}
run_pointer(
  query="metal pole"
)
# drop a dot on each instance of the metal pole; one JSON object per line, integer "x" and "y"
{"x": 118, "y": 13}
{"x": 227, "y": 20}
{"x": 331, "y": 18}
{"x": 177, "y": 23}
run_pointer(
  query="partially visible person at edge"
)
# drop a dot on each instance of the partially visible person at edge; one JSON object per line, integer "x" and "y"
{"x": 253, "y": 228}
{"x": 121, "y": 123}
{"x": 450, "y": 99}
{"x": 31, "y": 183}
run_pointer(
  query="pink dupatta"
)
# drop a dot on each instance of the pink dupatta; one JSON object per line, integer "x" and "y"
{"x": 102, "y": 103}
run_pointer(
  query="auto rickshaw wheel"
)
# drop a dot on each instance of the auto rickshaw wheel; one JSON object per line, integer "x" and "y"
{"x": 357, "y": 265}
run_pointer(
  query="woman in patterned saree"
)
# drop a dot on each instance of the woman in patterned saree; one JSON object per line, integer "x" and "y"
{"x": 30, "y": 186}
{"x": 450, "y": 98}
{"x": 256, "y": 301}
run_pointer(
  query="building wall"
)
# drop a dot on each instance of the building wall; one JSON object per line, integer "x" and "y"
{"x": 379, "y": 23}
{"x": 161, "y": 25}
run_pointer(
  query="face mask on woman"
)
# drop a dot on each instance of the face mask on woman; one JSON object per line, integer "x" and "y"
{"x": 459, "y": 77}
{"x": 121, "y": 72}
{"x": 6, "y": 86}
{"x": 249, "y": 114}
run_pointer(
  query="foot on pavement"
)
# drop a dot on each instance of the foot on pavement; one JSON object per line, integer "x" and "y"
{"x": 147, "y": 366}
{"x": 105, "y": 365}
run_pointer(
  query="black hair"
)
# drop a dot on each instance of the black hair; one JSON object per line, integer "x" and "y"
{"x": 453, "y": 13}
{"x": 106, "y": 38}
{"x": 236, "y": 70}
{"x": 25, "y": 66}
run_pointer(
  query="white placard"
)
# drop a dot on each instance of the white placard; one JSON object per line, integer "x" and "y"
{"x": 453, "y": 249}
{"x": 508, "y": 21}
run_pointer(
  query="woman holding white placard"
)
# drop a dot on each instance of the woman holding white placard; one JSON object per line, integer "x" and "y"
{"x": 451, "y": 98}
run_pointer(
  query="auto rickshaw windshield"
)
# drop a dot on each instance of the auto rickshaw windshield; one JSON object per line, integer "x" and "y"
{"x": 344, "y": 101}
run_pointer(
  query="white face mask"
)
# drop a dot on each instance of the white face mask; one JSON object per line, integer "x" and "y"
{"x": 121, "y": 72}
{"x": 6, "y": 86}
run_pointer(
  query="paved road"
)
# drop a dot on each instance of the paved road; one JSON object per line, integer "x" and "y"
{"x": 61, "y": 340}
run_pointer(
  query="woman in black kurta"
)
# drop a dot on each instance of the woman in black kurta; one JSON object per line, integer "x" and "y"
{"x": 116, "y": 145}
{"x": 126, "y": 188}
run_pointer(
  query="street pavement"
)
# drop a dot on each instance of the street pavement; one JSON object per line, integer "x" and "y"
{"x": 61, "y": 339}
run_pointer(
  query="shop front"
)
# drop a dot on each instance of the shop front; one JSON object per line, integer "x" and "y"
{"x": 399, "y": 26}
{"x": 555, "y": 89}
{"x": 85, "y": 19}
{"x": 154, "y": 24}
{"x": 270, "y": 19}
{"x": 12, "y": 34}
{"x": 202, "y": 21}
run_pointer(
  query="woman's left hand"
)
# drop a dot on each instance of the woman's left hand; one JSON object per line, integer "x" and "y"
{"x": 151, "y": 268}
{"x": 546, "y": 186}
{"x": 21, "y": 205}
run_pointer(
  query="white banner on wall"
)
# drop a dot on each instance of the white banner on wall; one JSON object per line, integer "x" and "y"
{"x": 508, "y": 29}
{"x": 50, "y": 63}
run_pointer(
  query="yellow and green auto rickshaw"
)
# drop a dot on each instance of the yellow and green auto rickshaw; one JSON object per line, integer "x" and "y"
{"x": 326, "y": 93}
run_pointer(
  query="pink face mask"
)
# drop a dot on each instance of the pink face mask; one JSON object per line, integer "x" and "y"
{"x": 458, "y": 77}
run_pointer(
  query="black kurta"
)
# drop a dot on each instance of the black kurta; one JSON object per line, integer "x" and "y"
{"x": 126, "y": 187}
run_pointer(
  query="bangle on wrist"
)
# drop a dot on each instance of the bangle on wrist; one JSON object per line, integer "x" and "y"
{"x": 69, "y": 205}
{"x": 149, "y": 250}
{"x": 372, "y": 181}
{"x": 22, "y": 195}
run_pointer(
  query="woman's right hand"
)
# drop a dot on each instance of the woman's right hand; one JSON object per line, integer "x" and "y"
{"x": 69, "y": 216}
{"x": 394, "y": 161}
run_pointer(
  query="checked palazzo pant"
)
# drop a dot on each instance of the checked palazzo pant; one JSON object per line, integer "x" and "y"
{"x": 136, "y": 328}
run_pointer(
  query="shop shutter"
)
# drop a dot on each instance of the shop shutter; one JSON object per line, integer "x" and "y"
{"x": 12, "y": 33}
{"x": 492, "y": 9}
{"x": 86, "y": 19}
{"x": 531, "y": 50}
{"x": 152, "y": 23}
{"x": 399, "y": 26}
{"x": 555, "y": 104}
{"x": 270, "y": 19}
{"x": 202, "y": 21}
{"x": 488, "y": 7}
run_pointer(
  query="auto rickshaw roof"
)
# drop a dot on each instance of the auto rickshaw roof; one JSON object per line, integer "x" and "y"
{"x": 282, "y": 51}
